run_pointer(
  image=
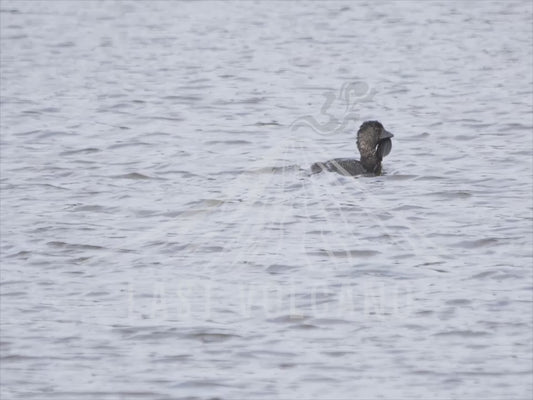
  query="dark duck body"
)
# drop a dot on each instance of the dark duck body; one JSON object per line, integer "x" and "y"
{"x": 373, "y": 142}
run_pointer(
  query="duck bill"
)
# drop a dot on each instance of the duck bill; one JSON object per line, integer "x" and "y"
{"x": 385, "y": 135}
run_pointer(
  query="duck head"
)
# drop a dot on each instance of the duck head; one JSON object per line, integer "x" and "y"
{"x": 374, "y": 143}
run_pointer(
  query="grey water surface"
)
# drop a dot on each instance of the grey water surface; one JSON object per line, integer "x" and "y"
{"x": 161, "y": 237}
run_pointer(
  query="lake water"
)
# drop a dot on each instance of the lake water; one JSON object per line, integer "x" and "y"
{"x": 161, "y": 237}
